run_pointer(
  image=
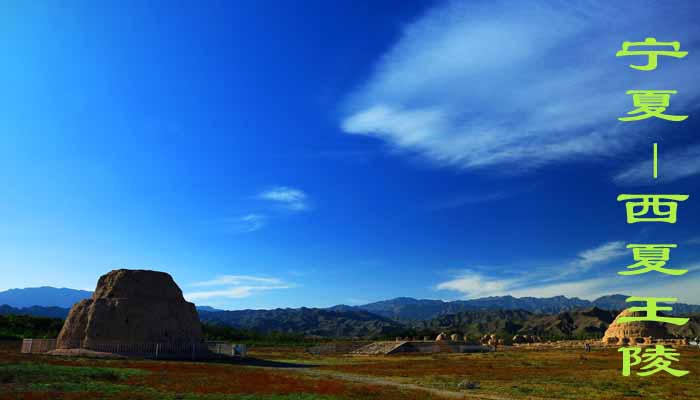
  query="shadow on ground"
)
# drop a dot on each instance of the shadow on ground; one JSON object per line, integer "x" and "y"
{"x": 257, "y": 362}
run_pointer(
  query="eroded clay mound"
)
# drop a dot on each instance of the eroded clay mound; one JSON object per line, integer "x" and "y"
{"x": 132, "y": 307}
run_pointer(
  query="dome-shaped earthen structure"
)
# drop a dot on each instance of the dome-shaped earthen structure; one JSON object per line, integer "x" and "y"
{"x": 640, "y": 332}
{"x": 132, "y": 307}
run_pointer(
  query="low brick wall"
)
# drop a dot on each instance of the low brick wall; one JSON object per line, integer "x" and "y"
{"x": 30, "y": 346}
{"x": 146, "y": 350}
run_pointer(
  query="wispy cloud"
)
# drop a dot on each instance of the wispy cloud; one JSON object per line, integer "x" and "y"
{"x": 288, "y": 197}
{"x": 236, "y": 292}
{"x": 476, "y": 285}
{"x": 235, "y": 287}
{"x": 693, "y": 241}
{"x": 556, "y": 281}
{"x": 601, "y": 254}
{"x": 237, "y": 280}
{"x": 246, "y": 223}
{"x": 480, "y": 84}
{"x": 276, "y": 199}
{"x": 465, "y": 200}
{"x": 685, "y": 289}
{"x": 673, "y": 165}
{"x": 473, "y": 284}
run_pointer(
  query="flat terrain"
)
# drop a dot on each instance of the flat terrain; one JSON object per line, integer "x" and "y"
{"x": 288, "y": 373}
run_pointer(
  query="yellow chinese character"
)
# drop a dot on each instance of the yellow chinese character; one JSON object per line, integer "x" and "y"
{"x": 657, "y": 359}
{"x": 637, "y": 209}
{"x": 651, "y": 309}
{"x": 653, "y": 55}
{"x": 651, "y": 257}
{"x": 651, "y": 103}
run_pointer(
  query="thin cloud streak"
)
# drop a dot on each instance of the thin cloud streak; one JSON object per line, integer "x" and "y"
{"x": 470, "y": 199}
{"x": 236, "y": 287}
{"x": 476, "y": 86}
{"x": 673, "y": 165}
{"x": 601, "y": 254}
{"x": 247, "y": 223}
{"x": 288, "y": 197}
{"x": 235, "y": 280}
{"x": 476, "y": 284}
{"x": 237, "y": 292}
{"x": 283, "y": 197}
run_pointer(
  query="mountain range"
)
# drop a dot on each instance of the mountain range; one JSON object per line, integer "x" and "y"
{"x": 410, "y": 309}
{"x": 311, "y": 322}
{"x": 557, "y": 316}
{"x": 44, "y": 296}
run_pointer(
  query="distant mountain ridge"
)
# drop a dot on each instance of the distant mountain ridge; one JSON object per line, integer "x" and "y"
{"x": 481, "y": 316}
{"x": 410, "y": 309}
{"x": 557, "y": 316}
{"x": 48, "y": 296}
{"x": 398, "y": 309}
{"x": 311, "y": 322}
{"x": 583, "y": 323}
{"x": 35, "y": 311}
{"x": 45, "y": 296}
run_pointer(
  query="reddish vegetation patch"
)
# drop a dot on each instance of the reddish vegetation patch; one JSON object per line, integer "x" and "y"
{"x": 544, "y": 364}
{"x": 49, "y": 396}
{"x": 513, "y": 374}
{"x": 208, "y": 378}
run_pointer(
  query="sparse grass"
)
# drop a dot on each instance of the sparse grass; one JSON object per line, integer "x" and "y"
{"x": 535, "y": 373}
{"x": 45, "y": 377}
{"x": 514, "y": 374}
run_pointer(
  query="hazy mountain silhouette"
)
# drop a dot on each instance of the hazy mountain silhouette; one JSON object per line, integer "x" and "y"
{"x": 45, "y": 296}
{"x": 557, "y": 316}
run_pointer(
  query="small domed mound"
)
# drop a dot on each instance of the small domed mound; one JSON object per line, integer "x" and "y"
{"x": 641, "y": 332}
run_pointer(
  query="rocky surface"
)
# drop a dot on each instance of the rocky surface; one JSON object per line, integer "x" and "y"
{"x": 132, "y": 307}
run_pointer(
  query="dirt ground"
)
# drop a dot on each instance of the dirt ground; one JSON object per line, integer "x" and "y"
{"x": 289, "y": 373}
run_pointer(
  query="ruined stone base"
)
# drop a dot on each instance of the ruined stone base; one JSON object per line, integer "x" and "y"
{"x": 84, "y": 353}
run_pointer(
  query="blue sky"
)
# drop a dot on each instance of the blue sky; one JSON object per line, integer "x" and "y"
{"x": 314, "y": 153}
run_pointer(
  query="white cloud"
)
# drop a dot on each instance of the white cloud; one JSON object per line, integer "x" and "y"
{"x": 473, "y": 284}
{"x": 480, "y": 84}
{"x": 291, "y": 198}
{"x": 236, "y": 292}
{"x": 673, "y": 165}
{"x": 587, "y": 259}
{"x": 286, "y": 198}
{"x": 236, "y": 279}
{"x": 552, "y": 283}
{"x": 236, "y": 287}
{"x": 246, "y": 223}
{"x": 684, "y": 289}
{"x": 601, "y": 254}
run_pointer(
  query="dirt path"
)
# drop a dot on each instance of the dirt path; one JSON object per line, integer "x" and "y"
{"x": 372, "y": 380}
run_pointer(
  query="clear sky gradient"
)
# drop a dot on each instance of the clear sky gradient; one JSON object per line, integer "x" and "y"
{"x": 289, "y": 153}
